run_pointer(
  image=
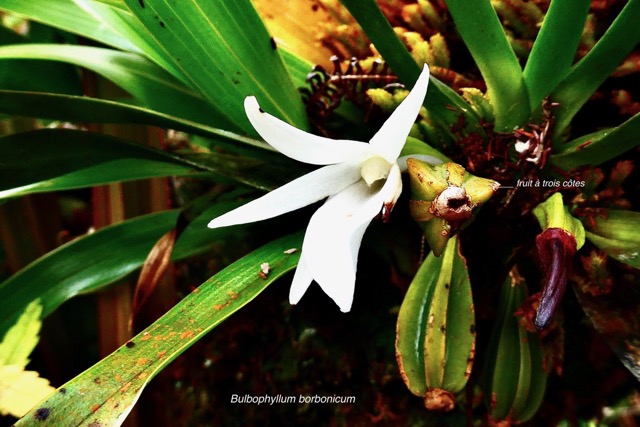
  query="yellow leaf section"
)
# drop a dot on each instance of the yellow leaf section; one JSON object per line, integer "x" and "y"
{"x": 20, "y": 390}
{"x": 21, "y": 338}
{"x": 295, "y": 25}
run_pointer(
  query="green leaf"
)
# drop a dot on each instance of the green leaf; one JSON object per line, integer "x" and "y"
{"x": 442, "y": 102}
{"x": 435, "y": 339}
{"x": 27, "y": 74}
{"x": 68, "y": 16}
{"x": 119, "y": 4}
{"x": 226, "y": 52}
{"x": 81, "y": 266}
{"x": 129, "y": 28}
{"x": 150, "y": 86}
{"x": 83, "y": 109}
{"x": 514, "y": 380}
{"x": 39, "y": 165}
{"x": 599, "y": 147}
{"x": 21, "y": 389}
{"x": 415, "y": 146}
{"x": 552, "y": 213}
{"x": 22, "y": 337}
{"x": 37, "y": 162}
{"x": 105, "y": 393}
{"x": 554, "y": 48}
{"x": 298, "y": 67}
{"x": 588, "y": 74}
{"x": 617, "y": 233}
{"x": 485, "y": 38}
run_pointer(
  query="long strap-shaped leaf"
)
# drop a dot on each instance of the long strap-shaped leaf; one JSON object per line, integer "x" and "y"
{"x": 149, "y": 84}
{"x": 42, "y": 156}
{"x": 599, "y": 147}
{"x": 124, "y": 23}
{"x": 37, "y": 76}
{"x": 38, "y": 164}
{"x": 67, "y": 16}
{"x": 482, "y": 32}
{"x": 443, "y": 103}
{"x": 554, "y": 48}
{"x": 92, "y": 110}
{"x": 588, "y": 74}
{"x": 105, "y": 393}
{"x": 81, "y": 267}
{"x": 225, "y": 50}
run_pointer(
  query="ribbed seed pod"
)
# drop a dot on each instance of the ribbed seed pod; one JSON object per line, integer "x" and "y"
{"x": 514, "y": 378}
{"x": 435, "y": 341}
{"x": 444, "y": 198}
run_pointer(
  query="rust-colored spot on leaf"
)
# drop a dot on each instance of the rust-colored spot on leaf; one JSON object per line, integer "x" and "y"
{"x": 119, "y": 378}
{"x": 146, "y": 336}
{"x": 142, "y": 361}
{"x": 218, "y": 307}
{"x": 186, "y": 334}
{"x": 162, "y": 354}
{"x": 95, "y": 424}
{"x": 95, "y": 408}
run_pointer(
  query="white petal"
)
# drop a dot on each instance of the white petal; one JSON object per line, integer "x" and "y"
{"x": 393, "y": 187}
{"x": 390, "y": 139}
{"x": 335, "y": 232}
{"x": 300, "y": 145}
{"x": 300, "y": 192}
{"x": 301, "y": 281}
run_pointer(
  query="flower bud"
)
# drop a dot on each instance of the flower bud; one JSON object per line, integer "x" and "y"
{"x": 561, "y": 237}
{"x": 556, "y": 248}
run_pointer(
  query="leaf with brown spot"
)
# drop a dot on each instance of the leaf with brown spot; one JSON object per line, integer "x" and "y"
{"x": 232, "y": 288}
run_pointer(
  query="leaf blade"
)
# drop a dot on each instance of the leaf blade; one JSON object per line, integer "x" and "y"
{"x": 588, "y": 74}
{"x": 143, "y": 357}
{"x": 150, "y": 85}
{"x": 226, "y": 52}
{"x": 549, "y": 61}
{"x": 599, "y": 147}
{"x": 485, "y": 38}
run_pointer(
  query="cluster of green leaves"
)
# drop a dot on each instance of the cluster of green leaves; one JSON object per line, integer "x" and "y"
{"x": 188, "y": 66}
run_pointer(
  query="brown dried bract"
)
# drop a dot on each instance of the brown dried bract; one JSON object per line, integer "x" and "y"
{"x": 437, "y": 399}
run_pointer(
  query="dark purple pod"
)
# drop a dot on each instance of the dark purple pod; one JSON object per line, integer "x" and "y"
{"x": 556, "y": 248}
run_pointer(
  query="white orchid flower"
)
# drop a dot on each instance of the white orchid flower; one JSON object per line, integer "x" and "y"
{"x": 360, "y": 180}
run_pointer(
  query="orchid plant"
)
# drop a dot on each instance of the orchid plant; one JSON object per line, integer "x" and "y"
{"x": 515, "y": 222}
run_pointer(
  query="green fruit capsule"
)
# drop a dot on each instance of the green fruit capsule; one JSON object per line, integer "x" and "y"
{"x": 435, "y": 339}
{"x": 444, "y": 199}
{"x": 514, "y": 378}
